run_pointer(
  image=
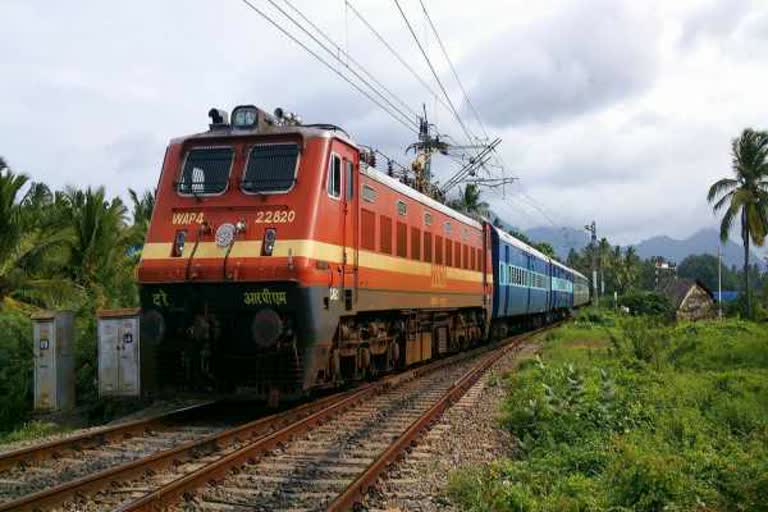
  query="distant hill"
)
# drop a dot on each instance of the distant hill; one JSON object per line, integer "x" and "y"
{"x": 704, "y": 241}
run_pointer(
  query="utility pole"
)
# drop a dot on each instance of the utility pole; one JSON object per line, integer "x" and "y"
{"x": 719, "y": 282}
{"x": 592, "y": 228}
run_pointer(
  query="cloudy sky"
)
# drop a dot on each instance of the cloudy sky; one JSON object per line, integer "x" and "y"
{"x": 620, "y": 111}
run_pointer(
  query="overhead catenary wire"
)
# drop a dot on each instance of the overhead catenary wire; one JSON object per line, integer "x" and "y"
{"x": 396, "y": 54}
{"x": 453, "y": 69}
{"x": 434, "y": 72}
{"x": 341, "y": 61}
{"x": 405, "y": 122}
{"x": 349, "y": 58}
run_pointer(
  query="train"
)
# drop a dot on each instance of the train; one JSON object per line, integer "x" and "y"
{"x": 279, "y": 261}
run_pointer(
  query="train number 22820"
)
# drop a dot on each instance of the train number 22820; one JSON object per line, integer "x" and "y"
{"x": 275, "y": 217}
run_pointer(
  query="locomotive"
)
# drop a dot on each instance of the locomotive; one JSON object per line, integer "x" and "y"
{"x": 278, "y": 260}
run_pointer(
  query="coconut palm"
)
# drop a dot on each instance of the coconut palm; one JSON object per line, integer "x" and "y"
{"x": 142, "y": 213}
{"x": 30, "y": 246}
{"x": 469, "y": 202}
{"x": 745, "y": 195}
{"x": 100, "y": 242}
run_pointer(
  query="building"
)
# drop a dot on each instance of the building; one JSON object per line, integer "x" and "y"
{"x": 690, "y": 298}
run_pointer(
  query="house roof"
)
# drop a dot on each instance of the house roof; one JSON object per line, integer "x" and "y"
{"x": 677, "y": 290}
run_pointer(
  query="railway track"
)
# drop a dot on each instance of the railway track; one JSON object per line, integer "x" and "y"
{"x": 311, "y": 457}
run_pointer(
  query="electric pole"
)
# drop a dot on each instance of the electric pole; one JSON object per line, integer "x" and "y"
{"x": 592, "y": 228}
{"x": 719, "y": 282}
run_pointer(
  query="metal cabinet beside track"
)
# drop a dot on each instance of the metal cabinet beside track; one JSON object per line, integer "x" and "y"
{"x": 120, "y": 353}
{"x": 54, "y": 344}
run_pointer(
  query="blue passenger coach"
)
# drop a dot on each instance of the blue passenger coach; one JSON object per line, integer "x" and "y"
{"x": 529, "y": 287}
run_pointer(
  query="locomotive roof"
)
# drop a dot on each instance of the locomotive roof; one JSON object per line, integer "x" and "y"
{"x": 306, "y": 132}
{"x": 416, "y": 195}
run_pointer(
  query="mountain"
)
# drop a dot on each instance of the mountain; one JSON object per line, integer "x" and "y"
{"x": 704, "y": 241}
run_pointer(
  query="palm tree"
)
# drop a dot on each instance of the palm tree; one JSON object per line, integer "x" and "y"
{"x": 469, "y": 202}
{"x": 745, "y": 195}
{"x": 100, "y": 241}
{"x": 142, "y": 213}
{"x": 30, "y": 245}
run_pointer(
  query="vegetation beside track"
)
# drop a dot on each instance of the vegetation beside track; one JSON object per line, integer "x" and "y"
{"x": 633, "y": 414}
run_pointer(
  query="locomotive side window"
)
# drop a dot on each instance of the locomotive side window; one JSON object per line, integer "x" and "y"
{"x": 271, "y": 168}
{"x": 369, "y": 194}
{"x": 334, "y": 177}
{"x": 206, "y": 171}
{"x": 349, "y": 169}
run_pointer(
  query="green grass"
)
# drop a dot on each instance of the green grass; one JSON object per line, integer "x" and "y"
{"x": 632, "y": 414}
{"x": 31, "y": 430}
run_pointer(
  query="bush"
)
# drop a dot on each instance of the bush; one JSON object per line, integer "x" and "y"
{"x": 648, "y": 304}
{"x": 670, "y": 418}
{"x": 15, "y": 368}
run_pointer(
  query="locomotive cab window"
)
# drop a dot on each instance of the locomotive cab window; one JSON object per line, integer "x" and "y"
{"x": 334, "y": 177}
{"x": 271, "y": 168}
{"x": 206, "y": 171}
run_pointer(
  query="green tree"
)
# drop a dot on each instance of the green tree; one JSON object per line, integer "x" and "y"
{"x": 745, "y": 196}
{"x": 545, "y": 248}
{"x": 100, "y": 243}
{"x": 30, "y": 243}
{"x": 470, "y": 202}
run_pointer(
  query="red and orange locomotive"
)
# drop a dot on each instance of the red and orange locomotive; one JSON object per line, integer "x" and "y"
{"x": 278, "y": 259}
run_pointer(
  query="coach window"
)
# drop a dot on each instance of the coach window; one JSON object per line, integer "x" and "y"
{"x": 349, "y": 168}
{"x": 206, "y": 171}
{"x": 334, "y": 177}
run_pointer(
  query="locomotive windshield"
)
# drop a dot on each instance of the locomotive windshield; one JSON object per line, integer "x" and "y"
{"x": 271, "y": 168}
{"x": 206, "y": 171}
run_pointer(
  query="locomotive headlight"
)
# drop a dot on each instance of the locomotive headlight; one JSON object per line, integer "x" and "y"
{"x": 178, "y": 242}
{"x": 245, "y": 116}
{"x": 270, "y": 235}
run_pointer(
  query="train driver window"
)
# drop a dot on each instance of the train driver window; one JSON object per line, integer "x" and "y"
{"x": 334, "y": 176}
{"x": 349, "y": 170}
{"x": 206, "y": 171}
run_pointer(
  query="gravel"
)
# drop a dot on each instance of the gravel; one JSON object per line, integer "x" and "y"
{"x": 468, "y": 434}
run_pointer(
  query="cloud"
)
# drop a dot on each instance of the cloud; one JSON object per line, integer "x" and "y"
{"x": 715, "y": 20}
{"x": 585, "y": 57}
